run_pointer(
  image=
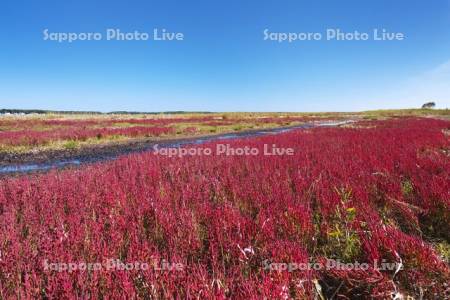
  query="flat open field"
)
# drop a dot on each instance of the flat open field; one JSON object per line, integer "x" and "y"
{"x": 360, "y": 210}
{"x": 37, "y": 138}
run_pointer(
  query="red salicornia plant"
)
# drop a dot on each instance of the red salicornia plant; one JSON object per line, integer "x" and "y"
{"x": 241, "y": 226}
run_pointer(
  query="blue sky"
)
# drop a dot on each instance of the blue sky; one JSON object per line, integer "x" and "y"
{"x": 224, "y": 63}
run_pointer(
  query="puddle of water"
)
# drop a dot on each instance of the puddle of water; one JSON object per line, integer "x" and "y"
{"x": 335, "y": 123}
{"x": 229, "y": 136}
{"x": 37, "y": 167}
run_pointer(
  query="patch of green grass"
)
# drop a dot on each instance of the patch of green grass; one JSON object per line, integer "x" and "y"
{"x": 342, "y": 241}
{"x": 69, "y": 145}
{"x": 375, "y": 114}
{"x": 407, "y": 188}
{"x": 443, "y": 248}
{"x": 238, "y": 127}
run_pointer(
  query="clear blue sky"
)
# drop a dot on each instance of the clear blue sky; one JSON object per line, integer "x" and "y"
{"x": 223, "y": 63}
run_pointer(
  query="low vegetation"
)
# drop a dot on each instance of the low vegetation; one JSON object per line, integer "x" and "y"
{"x": 374, "y": 194}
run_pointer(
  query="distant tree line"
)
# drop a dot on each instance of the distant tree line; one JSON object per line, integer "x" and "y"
{"x": 73, "y": 112}
{"x": 41, "y": 111}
